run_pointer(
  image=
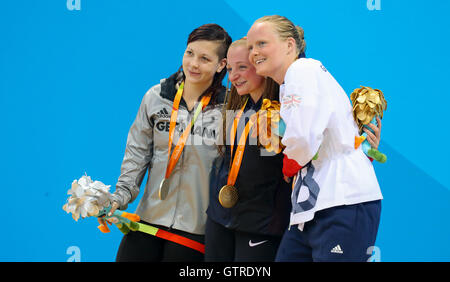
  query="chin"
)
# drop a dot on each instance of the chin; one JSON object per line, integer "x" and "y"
{"x": 193, "y": 79}
{"x": 242, "y": 92}
{"x": 261, "y": 71}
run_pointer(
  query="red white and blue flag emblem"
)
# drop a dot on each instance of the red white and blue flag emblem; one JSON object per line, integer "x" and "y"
{"x": 290, "y": 101}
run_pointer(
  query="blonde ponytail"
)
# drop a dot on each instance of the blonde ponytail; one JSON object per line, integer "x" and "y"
{"x": 301, "y": 43}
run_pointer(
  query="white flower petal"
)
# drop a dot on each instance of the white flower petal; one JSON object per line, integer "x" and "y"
{"x": 87, "y": 198}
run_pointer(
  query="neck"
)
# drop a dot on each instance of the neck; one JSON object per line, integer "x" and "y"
{"x": 279, "y": 77}
{"x": 192, "y": 91}
{"x": 256, "y": 95}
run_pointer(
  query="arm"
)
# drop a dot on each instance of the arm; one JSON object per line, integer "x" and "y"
{"x": 138, "y": 154}
{"x": 305, "y": 112}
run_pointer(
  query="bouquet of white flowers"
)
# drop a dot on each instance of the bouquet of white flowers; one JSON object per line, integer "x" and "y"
{"x": 92, "y": 198}
{"x": 87, "y": 198}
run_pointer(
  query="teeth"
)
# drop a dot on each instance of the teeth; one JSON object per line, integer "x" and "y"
{"x": 260, "y": 61}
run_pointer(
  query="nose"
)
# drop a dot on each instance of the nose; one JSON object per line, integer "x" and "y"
{"x": 195, "y": 63}
{"x": 233, "y": 76}
{"x": 252, "y": 54}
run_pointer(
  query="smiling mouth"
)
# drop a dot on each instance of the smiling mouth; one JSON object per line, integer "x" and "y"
{"x": 257, "y": 62}
{"x": 239, "y": 84}
{"x": 194, "y": 73}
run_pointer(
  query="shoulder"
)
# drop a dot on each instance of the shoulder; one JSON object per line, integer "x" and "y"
{"x": 217, "y": 100}
{"x": 154, "y": 90}
{"x": 304, "y": 65}
{"x": 152, "y": 96}
{"x": 220, "y": 96}
{"x": 166, "y": 89}
{"x": 305, "y": 71}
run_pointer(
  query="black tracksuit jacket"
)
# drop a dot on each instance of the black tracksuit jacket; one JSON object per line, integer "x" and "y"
{"x": 264, "y": 197}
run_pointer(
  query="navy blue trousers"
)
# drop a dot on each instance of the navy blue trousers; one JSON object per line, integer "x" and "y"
{"x": 342, "y": 233}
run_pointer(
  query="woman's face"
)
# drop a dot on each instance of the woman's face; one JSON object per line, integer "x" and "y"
{"x": 241, "y": 72}
{"x": 266, "y": 50}
{"x": 201, "y": 63}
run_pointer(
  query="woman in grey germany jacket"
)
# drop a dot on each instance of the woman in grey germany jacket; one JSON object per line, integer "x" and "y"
{"x": 177, "y": 191}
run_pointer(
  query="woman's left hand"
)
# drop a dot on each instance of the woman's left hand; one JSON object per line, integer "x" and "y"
{"x": 374, "y": 138}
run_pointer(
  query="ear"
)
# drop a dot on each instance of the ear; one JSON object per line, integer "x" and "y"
{"x": 222, "y": 64}
{"x": 291, "y": 45}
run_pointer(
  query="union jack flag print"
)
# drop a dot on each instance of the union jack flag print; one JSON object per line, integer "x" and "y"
{"x": 290, "y": 101}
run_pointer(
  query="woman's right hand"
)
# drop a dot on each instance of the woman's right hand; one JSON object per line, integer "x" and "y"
{"x": 290, "y": 168}
{"x": 114, "y": 207}
{"x": 375, "y": 137}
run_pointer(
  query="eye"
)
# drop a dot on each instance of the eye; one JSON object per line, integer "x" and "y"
{"x": 189, "y": 52}
{"x": 250, "y": 48}
{"x": 261, "y": 44}
{"x": 205, "y": 59}
{"x": 229, "y": 69}
{"x": 242, "y": 67}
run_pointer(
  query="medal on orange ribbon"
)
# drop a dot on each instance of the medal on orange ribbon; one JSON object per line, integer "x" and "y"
{"x": 163, "y": 189}
{"x": 175, "y": 156}
{"x": 228, "y": 194}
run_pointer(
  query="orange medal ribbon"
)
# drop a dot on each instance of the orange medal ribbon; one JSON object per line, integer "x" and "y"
{"x": 237, "y": 160}
{"x": 175, "y": 156}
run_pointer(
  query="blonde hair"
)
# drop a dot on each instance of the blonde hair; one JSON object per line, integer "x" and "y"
{"x": 285, "y": 29}
{"x": 239, "y": 42}
{"x": 234, "y": 101}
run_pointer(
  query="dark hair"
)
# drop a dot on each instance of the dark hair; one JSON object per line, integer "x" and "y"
{"x": 213, "y": 32}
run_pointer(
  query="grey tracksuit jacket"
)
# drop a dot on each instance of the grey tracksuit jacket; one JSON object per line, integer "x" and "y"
{"x": 147, "y": 150}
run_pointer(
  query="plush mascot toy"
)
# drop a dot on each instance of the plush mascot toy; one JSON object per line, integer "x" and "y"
{"x": 368, "y": 103}
{"x": 271, "y": 129}
{"x": 270, "y": 111}
{"x": 270, "y": 126}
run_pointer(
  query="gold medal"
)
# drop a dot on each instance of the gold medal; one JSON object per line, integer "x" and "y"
{"x": 228, "y": 196}
{"x": 163, "y": 189}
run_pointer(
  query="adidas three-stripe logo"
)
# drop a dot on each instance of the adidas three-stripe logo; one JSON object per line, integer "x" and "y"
{"x": 163, "y": 113}
{"x": 337, "y": 250}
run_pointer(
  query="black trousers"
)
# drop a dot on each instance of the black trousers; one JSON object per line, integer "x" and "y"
{"x": 226, "y": 245}
{"x": 142, "y": 247}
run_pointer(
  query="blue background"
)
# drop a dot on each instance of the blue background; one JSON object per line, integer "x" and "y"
{"x": 71, "y": 82}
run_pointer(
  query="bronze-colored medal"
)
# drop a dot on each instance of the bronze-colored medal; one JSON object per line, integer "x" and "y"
{"x": 163, "y": 189}
{"x": 228, "y": 196}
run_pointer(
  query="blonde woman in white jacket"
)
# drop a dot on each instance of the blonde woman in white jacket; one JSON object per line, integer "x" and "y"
{"x": 336, "y": 199}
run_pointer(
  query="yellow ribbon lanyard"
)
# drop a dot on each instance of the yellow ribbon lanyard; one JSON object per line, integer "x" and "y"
{"x": 173, "y": 159}
{"x": 237, "y": 160}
